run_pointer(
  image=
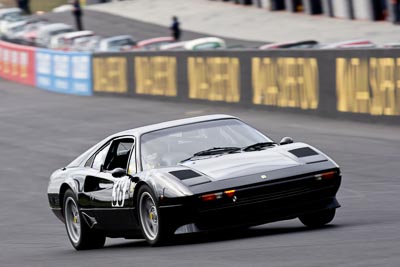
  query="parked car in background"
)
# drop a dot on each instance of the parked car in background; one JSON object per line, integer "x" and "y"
{"x": 13, "y": 28}
{"x": 29, "y": 34}
{"x": 290, "y": 45}
{"x": 45, "y": 33}
{"x": 392, "y": 45}
{"x": 86, "y": 43}
{"x": 117, "y": 43}
{"x": 350, "y": 44}
{"x": 18, "y": 32}
{"x": 174, "y": 46}
{"x": 55, "y": 41}
{"x": 154, "y": 43}
{"x": 89, "y": 44}
{"x": 8, "y": 20}
{"x": 207, "y": 43}
{"x": 65, "y": 41}
{"x": 4, "y": 12}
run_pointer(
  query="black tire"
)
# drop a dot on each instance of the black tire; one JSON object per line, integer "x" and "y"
{"x": 87, "y": 238}
{"x": 163, "y": 234}
{"x": 318, "y": 219}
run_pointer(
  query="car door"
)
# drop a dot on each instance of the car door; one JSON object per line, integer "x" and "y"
{"x": 110, "y": 195}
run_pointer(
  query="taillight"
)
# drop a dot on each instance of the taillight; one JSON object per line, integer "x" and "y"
{"x": 210, "y": 197}
{"x": 219, "y": 195}
{"x": 230, "y": 193}
{"x": 325, "y": 175}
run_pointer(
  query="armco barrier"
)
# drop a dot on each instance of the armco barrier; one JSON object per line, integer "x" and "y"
{"x": 64, "y": 72}
{"x": 17, "y": 63}
{"x": 357, "y": 84}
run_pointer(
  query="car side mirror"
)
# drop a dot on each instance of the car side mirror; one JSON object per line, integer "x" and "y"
{"x": 118, "y": 172}
{"x": 286, "y": 140}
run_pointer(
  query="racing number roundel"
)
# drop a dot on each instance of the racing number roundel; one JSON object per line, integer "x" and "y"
{"x": 120, "y": 189}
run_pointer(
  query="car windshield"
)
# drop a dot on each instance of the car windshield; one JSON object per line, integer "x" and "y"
{"x": 170, "y": 146}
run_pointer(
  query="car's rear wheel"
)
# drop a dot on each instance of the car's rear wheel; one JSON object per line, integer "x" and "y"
{"x": 79, "y": 233}
{"x": 152, "y": 225}
{"x": 318, "y": 219}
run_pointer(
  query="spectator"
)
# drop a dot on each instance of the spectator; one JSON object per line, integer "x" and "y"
{"x": 24, "y": 5}
{"x": 396, "y": 11}
{"x": 19, "y": 3}
{"x": 77, "y": 12}
{"x": 175, "y": 28}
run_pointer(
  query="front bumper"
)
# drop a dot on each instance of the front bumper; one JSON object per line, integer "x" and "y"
{"x": 256, "y": 205}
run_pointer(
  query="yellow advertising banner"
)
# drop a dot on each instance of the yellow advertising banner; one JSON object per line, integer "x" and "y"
{"x": 110, "y": 74}
{"x": 214, "y": 78}
{"x": 156, "y": 75}
{"x": 285, "y": 82}
{"x": 368, "y": 85}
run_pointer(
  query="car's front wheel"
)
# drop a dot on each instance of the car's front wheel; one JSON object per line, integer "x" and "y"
{"x": 153, "y": 227}
{"x": 79, "y": 233}
{"x": 318, "y": 219}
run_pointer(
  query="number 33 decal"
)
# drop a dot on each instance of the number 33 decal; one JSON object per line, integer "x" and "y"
{"x": 120, "y": 189}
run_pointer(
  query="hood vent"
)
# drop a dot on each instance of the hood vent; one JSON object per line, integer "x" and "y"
{"x": 303, "y": 152}
{"x": 185, "y": 174}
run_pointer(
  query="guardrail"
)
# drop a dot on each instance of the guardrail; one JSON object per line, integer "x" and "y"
{"x": 355, "y": 84}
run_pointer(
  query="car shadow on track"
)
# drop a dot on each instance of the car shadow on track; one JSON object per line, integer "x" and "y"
{"x": 226, "y": 235}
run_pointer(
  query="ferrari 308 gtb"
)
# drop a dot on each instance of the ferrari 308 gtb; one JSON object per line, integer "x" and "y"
{"x": 198, "y": 174}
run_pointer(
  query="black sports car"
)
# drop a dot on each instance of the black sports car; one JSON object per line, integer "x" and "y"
{"x": 198, "y": 174}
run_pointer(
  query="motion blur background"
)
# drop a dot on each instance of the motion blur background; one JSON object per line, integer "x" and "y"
{"x": 326, "y": 72}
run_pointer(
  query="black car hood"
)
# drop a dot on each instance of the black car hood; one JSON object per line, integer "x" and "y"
{"x": 226, "y": 166}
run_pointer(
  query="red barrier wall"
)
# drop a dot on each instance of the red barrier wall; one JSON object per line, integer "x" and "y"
{"x": 17, "y": 63}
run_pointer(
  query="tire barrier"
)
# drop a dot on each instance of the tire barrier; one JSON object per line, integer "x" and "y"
{"x": 354, "y": 84}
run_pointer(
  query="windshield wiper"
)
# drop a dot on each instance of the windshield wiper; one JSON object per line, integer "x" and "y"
{"x": 258, "y": 146}
{"x": 213, "y": 151}
{"x": 216, "y": 150}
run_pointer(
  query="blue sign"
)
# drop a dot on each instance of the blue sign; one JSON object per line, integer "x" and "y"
{"x": 64, "y": 72}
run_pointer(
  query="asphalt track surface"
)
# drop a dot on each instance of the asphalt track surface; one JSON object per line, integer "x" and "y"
{"x": 107, "y": 25}
{"x": 42, "y": 131}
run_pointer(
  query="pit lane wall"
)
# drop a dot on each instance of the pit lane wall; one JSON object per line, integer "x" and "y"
{"x": 62, "y": 72}
{"x": 17, "y": 63}
{"x": 55, "y": 71}
{"x": 355, "y": 84}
